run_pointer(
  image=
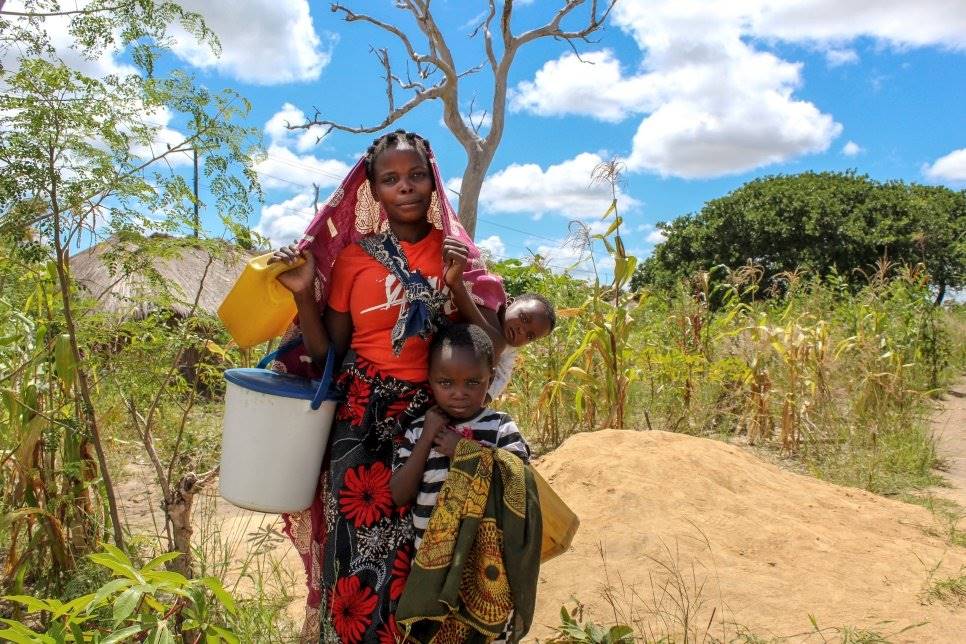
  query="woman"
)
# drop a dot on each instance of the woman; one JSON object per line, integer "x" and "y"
{"x": 383, "y": 299}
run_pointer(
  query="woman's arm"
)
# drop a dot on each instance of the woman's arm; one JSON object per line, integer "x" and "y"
{"x": 300, "y": 280}
{"x": 405, "y": 481}
{"x": 338, "y": 325}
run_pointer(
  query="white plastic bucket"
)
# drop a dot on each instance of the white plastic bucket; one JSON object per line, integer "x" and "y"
{"x": 273, "y": 440}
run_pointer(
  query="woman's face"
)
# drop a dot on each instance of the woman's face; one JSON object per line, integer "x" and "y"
{"x": 402, "y": 183}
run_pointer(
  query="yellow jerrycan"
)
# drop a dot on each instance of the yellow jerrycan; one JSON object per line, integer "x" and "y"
{"x": 258, "y": 308}
{"x": 559, "y": 521}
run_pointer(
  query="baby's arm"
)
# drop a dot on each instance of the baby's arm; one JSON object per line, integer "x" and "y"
{"x": 455, "y": 257}
{"x": 406, "y": 478}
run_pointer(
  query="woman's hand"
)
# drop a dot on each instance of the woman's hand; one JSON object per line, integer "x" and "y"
{"x": 455, "y": 258}
{"x": 446, "y": 441}
{"x": 301, "y": 278}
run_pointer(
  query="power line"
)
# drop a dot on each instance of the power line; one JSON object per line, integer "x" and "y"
{"x": 517, "y": 230}
{"x": 303, "y": 166}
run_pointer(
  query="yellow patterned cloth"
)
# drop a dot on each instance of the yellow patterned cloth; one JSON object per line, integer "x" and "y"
{"x": 480, "y": 555}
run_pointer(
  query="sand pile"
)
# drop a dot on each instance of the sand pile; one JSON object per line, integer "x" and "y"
{"x": 761, "y": 547}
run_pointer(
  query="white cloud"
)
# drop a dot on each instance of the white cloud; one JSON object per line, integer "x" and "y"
{"x": 493, "y": 245}
{"x": 285, "y": 170}
{"x": 838, "y": 57}
{"x": 265, "y": 42}
{"x": 165, "y": 138}
{"x": 591, "y": 85}
{"x": 285, "y": 222}
{"x": 277, "y": 131}
{"x": 563, "y": 189}
{"x": 951, "y": 168}
{"x": 656, "y": 237}
{"x": 570, "y": 258}
{"x": 56, "y": 27}
{"x": 851, "y": 149}
{"x": 893, "y": 22}
{"x": 713, "y": 102}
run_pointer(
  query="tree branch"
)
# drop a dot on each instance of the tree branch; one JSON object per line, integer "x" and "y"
{"x": 552, "y": 28}
{"x": 392, "y": 117}
{"x": 488, "y": 36}
{"x": 419, "y": 59}
{"x": 36, "y": 14}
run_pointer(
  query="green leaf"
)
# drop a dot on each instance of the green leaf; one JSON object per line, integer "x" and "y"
{"x": 77, "y": 632}
{"x": 32, "y": 604}
{"x": 167, "y": 577}
{"x": 20, "y": 634}
{"x": 111, "y": 587}
{"x": 125, "y": 604}
{"x": 225, "y": 634}
{"x": 610, "y": 210}
{"x": 160, "y": 560}
{"x": 119, "y": 568}
{"x": 620, "y": 633}
{"x": 65, "y": 365}
{"x": 212, "y": 584}
{"x": 122, "y": 635}
{"x": 595, "y": 632}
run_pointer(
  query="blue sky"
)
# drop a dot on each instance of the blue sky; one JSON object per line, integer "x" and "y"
{"x": 697, "y": 97}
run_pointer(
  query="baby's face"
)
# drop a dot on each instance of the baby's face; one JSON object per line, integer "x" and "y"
{"x": 459, "y": 380}
{"x": 525, "y": 321}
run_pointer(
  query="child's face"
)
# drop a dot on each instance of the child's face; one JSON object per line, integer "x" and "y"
{"x": 525, "y": 321}
{"x": 459, "y": 380}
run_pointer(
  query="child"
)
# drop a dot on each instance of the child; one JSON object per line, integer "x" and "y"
{"x": 460, "y": 370}
{"x": 521, "y": 320}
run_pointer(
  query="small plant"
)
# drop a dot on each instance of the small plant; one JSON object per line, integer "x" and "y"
{"x": 147, "y": 604}
{"x": 856, "y": 635}
{"x": 948, "y": 590}
{"x": 573, "y": 631}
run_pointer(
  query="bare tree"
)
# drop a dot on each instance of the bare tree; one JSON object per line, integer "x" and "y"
{"x": 438, "y": 78}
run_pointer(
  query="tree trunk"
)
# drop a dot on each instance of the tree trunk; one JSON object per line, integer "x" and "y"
{"x": 939, "y": 296}
{"x": 86, "y": 406}
{"x": 470, "y": 194}
{"x": 178, "y": 509}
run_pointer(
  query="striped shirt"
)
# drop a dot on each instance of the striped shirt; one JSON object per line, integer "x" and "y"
{"x": 490, "y": 428}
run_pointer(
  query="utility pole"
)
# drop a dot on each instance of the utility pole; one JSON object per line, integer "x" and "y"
{"x": 194, "y": 154}
{"x": 197, "y": 222}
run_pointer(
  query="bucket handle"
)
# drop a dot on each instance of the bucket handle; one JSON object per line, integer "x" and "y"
{"x": 324, "y": 385}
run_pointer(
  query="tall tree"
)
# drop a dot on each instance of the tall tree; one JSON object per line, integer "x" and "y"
{"x": 438, "y": 78}
{"x": 85, "y": 155}
{"x": 819, "y": 222}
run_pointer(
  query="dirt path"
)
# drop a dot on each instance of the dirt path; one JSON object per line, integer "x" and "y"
{"x": 949, "y": 428}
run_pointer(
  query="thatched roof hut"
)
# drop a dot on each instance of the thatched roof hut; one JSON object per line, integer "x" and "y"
{"x": 130, "y": 282}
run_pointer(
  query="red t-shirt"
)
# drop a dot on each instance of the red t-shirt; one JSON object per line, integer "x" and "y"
{"x": 364, "y": 288}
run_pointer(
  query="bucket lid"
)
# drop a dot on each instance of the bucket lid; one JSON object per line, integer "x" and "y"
{"x": 273, "y": 383}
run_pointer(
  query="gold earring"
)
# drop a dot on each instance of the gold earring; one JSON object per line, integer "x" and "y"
{"x": 435, "y": 214}
{"x": 367, "y": 210}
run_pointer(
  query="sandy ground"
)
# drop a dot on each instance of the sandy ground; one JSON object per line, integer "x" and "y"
{"x": 723, "y": 531}
{"x": 239, "y": 545}
{"x": 680, "y": 529}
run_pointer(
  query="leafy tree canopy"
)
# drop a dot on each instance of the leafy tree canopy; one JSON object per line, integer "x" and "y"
{"x": 818, "y": 222}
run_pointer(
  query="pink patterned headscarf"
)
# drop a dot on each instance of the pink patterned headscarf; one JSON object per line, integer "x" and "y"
{"x": 352, "y": 213}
